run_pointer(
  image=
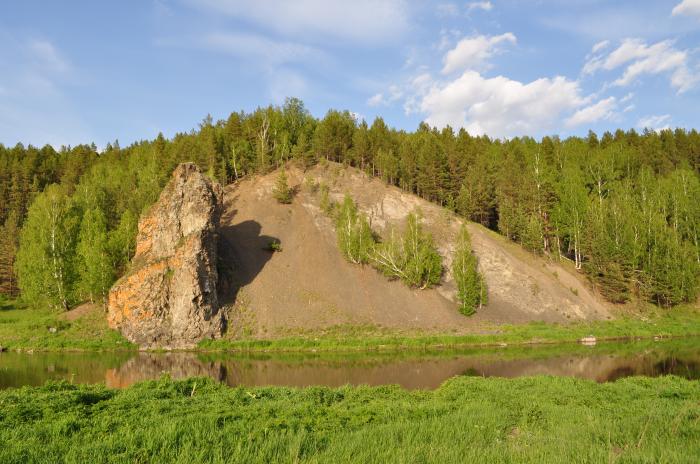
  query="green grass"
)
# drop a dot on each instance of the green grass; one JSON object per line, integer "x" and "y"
{"x": 540, "y": 419}
{"x": 678, "y": 322}
{"x": 28, "y": 329}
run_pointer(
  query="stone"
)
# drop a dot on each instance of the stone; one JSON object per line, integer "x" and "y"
{"x": 168, "y": 298}
{"x": 589, "y": 340}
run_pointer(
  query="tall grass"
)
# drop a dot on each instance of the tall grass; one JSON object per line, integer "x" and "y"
{"x": 541, "y": 419}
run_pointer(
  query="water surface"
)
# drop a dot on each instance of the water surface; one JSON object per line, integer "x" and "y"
{"x": 422, "y": 370}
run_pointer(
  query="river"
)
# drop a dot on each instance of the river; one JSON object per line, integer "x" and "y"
{"x": 604, "y": 362}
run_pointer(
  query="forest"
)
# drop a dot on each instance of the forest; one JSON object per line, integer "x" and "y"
{"x": 622, "y": 207}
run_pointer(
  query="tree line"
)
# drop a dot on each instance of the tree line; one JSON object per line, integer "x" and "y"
{"x": 622, "y": 207}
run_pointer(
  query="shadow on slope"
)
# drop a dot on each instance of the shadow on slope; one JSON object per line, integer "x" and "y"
{"x": 243, "y": 252}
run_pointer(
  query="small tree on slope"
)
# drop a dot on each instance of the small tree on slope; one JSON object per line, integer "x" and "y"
{"x": 471, "y": 288}
{"x": 282, "y": 192}
{"x": 355, "y": 238}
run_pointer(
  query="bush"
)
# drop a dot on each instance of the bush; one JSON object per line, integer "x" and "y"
{"x": 327, "y": 205}
{"x": 274, "y": 246}
{"x": 411, "y": 257}
{"x": 355, "y": 238}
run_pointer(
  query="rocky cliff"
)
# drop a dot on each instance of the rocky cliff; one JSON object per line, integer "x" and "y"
{"x": 168, "y": 298}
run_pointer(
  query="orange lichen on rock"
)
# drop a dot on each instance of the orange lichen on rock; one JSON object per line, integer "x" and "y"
{"x": 168, "y": 299}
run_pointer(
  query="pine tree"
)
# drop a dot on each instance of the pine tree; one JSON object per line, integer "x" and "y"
{"x": 282, "y": 193}
{"x": 9, "y": 237}
{"x": 471, "y": 287}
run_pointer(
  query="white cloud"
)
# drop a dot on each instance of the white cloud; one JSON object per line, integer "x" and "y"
{"x": 447, "y": 9}
{"x": 472, "y": 52}
{"x": 656, "y": 123}
{"x": 600, "y": 45}
{"x": 628, "y": 108}
{"x": 687, "y": 7}
{"x": 376, "y": 100}
{"x": 601, "y": 110}
{"x": 259, "y": 48}
{"x": 366, "y": 21}
{"x": 638, "y": 58}
{"x": 500, "y": 106}
{"x": 627, "y": 97}
{"x": 380, "y": 99}
{"x": 47, "y": 56}
{"x": 486, "y": 6}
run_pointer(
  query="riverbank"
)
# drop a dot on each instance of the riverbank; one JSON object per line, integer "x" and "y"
{"x": 44, "y": 330}
{"x": 536, "y": 419}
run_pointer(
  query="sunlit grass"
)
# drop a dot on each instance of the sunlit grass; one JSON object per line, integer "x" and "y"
{"x": 541, "y": 419}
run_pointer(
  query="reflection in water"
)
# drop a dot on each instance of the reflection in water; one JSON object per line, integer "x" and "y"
{"x": 425, "y": 370}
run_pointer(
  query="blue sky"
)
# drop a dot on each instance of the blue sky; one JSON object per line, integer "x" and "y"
{"x": 83, "y": 71}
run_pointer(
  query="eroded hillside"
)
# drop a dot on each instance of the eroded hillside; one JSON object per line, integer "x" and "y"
{"x": 308, "y": 285}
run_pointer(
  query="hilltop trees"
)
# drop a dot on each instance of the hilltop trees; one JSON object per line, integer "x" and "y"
{"x": 623, "y": 207}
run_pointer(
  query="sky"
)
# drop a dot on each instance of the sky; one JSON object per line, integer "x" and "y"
{"x": 85, "y": 71}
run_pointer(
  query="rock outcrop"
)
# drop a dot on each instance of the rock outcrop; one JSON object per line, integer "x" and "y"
{"x": 168, "y": 299}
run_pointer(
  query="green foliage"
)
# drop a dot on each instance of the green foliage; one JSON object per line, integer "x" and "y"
{"x": 355, "y": 238}
{"x": 282, "y": 193}
{"x": 46, "y": 261}
{"x": 96, "y": 269}
{"x": 498, "y": 420}
{"x": 622, "y": 206}
{"x": 327, "y": 205}
{"x": 471, "y": 287}
{"x": 411, "y": 257}
{"x": 274, "y": 246}
{"x": 25, "y": 327}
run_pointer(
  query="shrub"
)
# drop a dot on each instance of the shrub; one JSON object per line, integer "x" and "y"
{"x": 327, "y": 205}
{"x": 411, "y": 257}
{"x": 355, "y": 238}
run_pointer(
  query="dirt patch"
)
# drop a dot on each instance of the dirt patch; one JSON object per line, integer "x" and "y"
{"x": 79, "y": 312}
{"x": 308, "y": 285}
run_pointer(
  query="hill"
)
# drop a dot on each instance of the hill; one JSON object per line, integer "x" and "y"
{"x": 309, "y": 285}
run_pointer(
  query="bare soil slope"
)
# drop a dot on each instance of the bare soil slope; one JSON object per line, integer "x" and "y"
{"x": 309, "y": 285}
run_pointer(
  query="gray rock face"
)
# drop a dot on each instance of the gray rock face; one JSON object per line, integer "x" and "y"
{"x": 168, "y": 298}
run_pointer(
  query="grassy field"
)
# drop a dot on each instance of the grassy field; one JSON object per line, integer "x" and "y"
{"x": 682, "y": 321}
{"x": 540, "y": 419}
{"x": 45, "y": 330}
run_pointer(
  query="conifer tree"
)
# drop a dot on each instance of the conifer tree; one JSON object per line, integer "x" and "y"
{"x": 9, "y": 237}
{"x": 282, "y": 193}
